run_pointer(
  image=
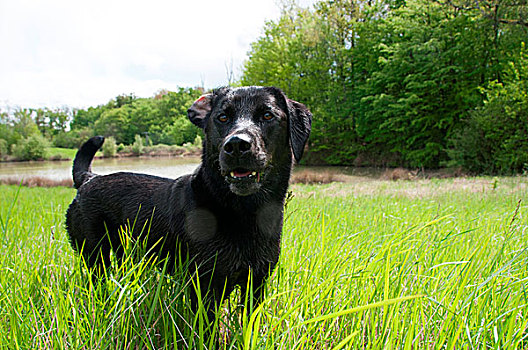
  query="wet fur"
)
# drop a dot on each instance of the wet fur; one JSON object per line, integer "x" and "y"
{"x": 226, "y": 227}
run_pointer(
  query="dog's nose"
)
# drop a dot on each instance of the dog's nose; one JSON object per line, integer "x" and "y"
{"x": 237, "y": 145}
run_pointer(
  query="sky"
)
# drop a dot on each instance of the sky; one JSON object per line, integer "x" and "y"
{"x": 56, "y": 53}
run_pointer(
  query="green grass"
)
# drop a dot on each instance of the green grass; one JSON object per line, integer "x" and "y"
{"x": 429, "y": 264}
{"x": 61, "y": 153}
{"x": 65, "y": 153}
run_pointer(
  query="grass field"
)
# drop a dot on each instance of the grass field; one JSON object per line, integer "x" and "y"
{"x": 367, "y": 264}
{"x": 61, "y": 153}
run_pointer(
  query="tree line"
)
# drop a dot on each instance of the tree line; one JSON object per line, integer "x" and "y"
{"x": 413, "y": 83}
{"x": 416, "y": 83}
{"x": 26, "y": 133}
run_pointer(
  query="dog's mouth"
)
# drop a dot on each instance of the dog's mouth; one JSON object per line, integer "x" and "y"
{"x": 241, "y": 174}
{"x": 243, "y": 181}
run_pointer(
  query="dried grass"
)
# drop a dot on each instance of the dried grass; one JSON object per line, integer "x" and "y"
{"x": 423, "y": 188}
{"x": 36, "y": 181}
{"x": 399, "y": 174}
{"x": 312, "y": 177}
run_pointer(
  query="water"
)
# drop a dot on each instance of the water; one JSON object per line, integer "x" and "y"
{"x": 170, "y": 167}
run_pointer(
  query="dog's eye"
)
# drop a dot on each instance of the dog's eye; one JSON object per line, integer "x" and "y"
{"x": 223, "y": 118}
{"x": 267, "y": 116}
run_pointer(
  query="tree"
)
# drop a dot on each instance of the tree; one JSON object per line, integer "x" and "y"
{"x": 172, "y": 125}
{"x": 161, "y": 117}
{"x": 495, "y": 136}
{"x": 23, "y": 124}
{"x": 510, "y": 12}
{"x": 115, "y": 122}
{"x": 389, "y": 82}
{"x": 52, "y": 122}
{"x": 309, "y": 64}
{"x": 427, "y": 79}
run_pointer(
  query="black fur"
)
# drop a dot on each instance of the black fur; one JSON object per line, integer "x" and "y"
{"x": 227, "y": 216}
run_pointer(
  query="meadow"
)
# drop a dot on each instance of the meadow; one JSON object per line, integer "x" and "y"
{"x": 365, "y": 264}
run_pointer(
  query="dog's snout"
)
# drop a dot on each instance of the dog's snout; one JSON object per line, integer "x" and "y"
{"x": 237, "y": 145}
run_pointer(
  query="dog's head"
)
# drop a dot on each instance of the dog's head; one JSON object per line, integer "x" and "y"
{"x": 249, "y": 131}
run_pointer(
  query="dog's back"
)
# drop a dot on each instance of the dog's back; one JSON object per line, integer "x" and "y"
{"x": 104, "y": 203}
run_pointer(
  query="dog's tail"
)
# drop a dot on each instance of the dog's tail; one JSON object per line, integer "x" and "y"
{"x": 82, "y": 164}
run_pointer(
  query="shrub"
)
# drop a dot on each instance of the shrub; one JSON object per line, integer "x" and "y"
{"x": 137, "y": 146}
{"x": 34, "y": 147}
{"x": 197, "y": 141}
{"x": 109, "y": 147}
{"x": 3, "y": 148}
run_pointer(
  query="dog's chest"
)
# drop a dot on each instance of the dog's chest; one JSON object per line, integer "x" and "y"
{"x": 237, "y": 241}
{"x": 202, "y": 224}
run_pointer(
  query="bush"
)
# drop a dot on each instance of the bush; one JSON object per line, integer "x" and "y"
{"x": 109, "y": 147}
{"x": 197, "y": 141}
{"x": 34, "y": 147}
{"x": 137, "y": 146}
{"x": 3, "y": 148}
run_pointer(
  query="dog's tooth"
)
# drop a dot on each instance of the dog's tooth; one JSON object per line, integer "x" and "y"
{"x": 254, "y": 173}
{"x": 232, "y": 174}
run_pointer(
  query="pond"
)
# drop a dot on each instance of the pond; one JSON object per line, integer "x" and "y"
{"x": 170, "y": 167}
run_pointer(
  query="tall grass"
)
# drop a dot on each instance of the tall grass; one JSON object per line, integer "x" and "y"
{"x": 364, "y": 265}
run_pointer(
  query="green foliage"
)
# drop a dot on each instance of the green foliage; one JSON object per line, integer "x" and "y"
{"x": 495, "y": 136}
{"x": 3, "y": 148}
{"x": 84, "y": 118}
{"x": 109, "y": 147}
{"x": 197, "y": 141}
{"x": 388, "y": 82}
{"x": 181, "y": 131}
{"x": 422, "y": 85}
{"x": 138, "y": 147}
{"x": 163, "y": 118}
{"x": 52, "y": 122}
{"x": 22, "y": 124}
{"x": 414, "y": 83}
{"x": 34, "y": 147}
{"x": 72, "y": 139}
{"x": 115, "y": 122}
{"x": 302, "y": 46}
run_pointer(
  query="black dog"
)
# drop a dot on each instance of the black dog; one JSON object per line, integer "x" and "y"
{"x": 227, "y": 216}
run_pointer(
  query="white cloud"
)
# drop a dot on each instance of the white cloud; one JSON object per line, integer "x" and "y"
{"x": 68, "y": 52}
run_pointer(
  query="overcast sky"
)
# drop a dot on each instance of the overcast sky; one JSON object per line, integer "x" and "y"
{"x": 74, "y": 53}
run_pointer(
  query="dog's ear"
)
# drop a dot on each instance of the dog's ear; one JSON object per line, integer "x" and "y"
{"x": 199, "y": 110}
{"x": 300, "y": 125}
